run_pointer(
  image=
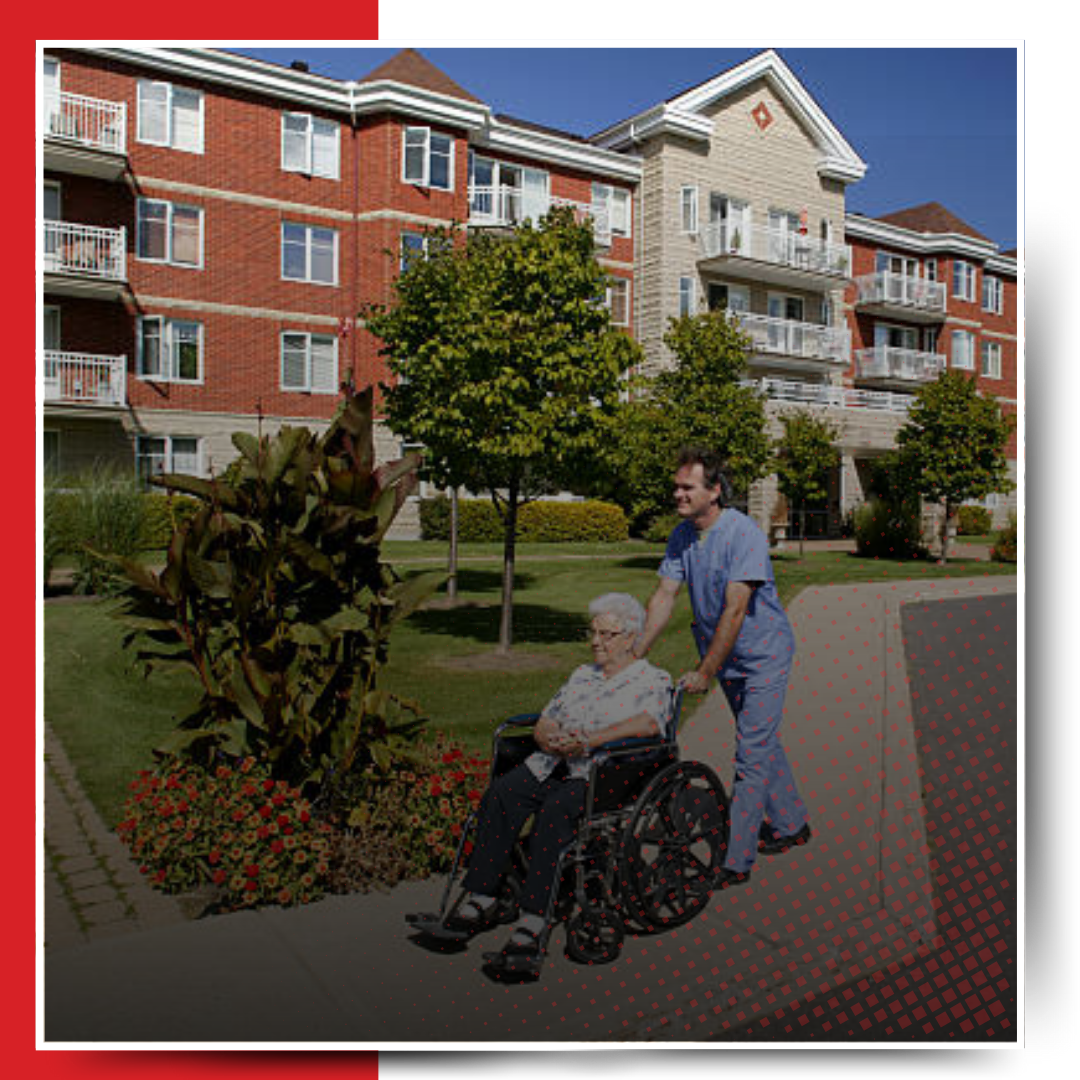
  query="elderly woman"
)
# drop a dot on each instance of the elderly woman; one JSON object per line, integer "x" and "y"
{"x": 615, "y": 697}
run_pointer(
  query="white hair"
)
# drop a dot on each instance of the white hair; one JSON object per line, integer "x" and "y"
{"x": 622, "y": 607}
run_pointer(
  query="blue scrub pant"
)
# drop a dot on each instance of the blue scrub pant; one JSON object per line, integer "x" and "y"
{"x": 764, "y": 785}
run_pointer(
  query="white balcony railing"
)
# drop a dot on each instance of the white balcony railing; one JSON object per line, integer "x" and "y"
{"x": 508, "y": 206}
{"x": 785, "y": 337}
{"x": 886, "y": 287}
{"x": 86, "y": 250}
{"x": 837, "y": 397}
{"x": 101, "y": 125}
{"x": 778, "y": 246}
{"x": 888, "y": 362}
{"x": 80, "y": 378}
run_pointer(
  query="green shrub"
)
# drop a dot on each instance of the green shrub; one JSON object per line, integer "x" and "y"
{"x": 889, "y": 530}
{"x": 973, "y": 521}
{"x": 1004, "y": 549}
{"x": 56, "y": 525}
{"x": 233, "y": 827}
{"x": 543, "y": 521}
{"x": 163, "y": 515}
{"x": 660, "y": 528}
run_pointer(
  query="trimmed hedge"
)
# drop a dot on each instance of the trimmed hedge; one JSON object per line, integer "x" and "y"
{"x": 538, "y": 522}
{"x": 159, "y": 513}
{"x": 973, "y": 521}
{"x": 889, "y": 530}
{"x": 1004, "y": 549}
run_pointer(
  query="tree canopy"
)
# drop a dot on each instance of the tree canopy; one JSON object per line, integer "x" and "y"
{"x": 805, "y": 454}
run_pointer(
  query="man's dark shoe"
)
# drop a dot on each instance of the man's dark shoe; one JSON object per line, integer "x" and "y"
{"x": 771, "y": 844}
{"x": 725, "y": 877}
{"x": 519, "y": 960}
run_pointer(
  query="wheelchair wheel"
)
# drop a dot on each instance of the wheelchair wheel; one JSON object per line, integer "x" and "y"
{"x": 594, "y": 937}
{"x": 673, "y": 846}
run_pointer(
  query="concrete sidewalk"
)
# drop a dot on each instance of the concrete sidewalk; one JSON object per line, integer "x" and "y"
{"x": 857, "y": 897}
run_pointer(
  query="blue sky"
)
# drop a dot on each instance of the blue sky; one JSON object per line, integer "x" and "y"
{"x": 932, "y": 124}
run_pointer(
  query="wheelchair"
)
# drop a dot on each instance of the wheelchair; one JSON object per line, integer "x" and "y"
{"x": 649, "y": 844}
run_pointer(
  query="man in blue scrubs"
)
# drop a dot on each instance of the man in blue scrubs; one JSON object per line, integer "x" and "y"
{"x": 745, "y": 641}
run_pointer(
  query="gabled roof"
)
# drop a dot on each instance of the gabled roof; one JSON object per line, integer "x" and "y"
{"x": 931, "y": 217}
{"x": 684, "y": 115}
{"x": 412, "y": 69}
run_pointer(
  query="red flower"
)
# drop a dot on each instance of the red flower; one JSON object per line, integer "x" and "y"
{"x": 283, "y": 819}
{"x": 268, "y": 785}
{"x": 305, "y": 817}
{"x": 251, "y": 886}
{"x": 219, "y": 876}
{"x": 265, "y": 811}
{"x": 214, "y": 857}
{"x": 277, "y": 846}
{"x": 436, "y": 790}
{"x": 252, "y": 870}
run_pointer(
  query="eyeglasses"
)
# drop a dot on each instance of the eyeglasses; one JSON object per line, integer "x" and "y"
{"x": 604, "y": 635}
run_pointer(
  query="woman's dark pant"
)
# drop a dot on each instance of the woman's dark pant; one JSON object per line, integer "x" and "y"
{"x": 506, "y": 806}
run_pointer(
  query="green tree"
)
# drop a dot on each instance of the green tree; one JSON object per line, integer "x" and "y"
{"x": 696, "y": 401}
{"x": 805, "y": 454}
{"x": 506, "y": 360}
{"x": 952, "y": 446}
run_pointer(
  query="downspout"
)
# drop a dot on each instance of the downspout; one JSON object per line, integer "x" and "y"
{"x": 355, "y": 316}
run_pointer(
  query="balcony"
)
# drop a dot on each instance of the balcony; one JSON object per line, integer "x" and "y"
{"x": 85, "y": 136}
{"x": 504, "y": 207}
{"x": 777, "y": 256}
{"x": 910, "y": 298}
{"x": 829, "y": 397}
{"x": 85, "y": 260}
{"x": 82, "y": 379}
{"x": 798, "y": 345}
{"x": 887, "y": 364}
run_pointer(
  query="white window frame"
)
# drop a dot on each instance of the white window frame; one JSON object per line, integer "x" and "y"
{"x": 168, "y": 462}
{"x": 964, "y": 277}
{"x": 312, "y": 122}
{"x": 688, "y": 210}
{"x": 308, "y": 388}
{"x": 619, "y": 207}
{"x": 307, "y": 279}
{"x": 168, "y": 259}
{"x": 687, "y": 296}
{"x": 165, "y": 336}
{"x": 170, "y": 124}
{"x": 624, "y": 285}
{"x": 995, "y": 287}
{"x": 957, "y": 336}
{"x": 989, "y": 349}
{"x": 424, "y": 179}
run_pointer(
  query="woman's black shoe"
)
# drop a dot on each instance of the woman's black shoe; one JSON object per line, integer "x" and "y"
{"x": 518, "y": 960}
{"x": 457, "y": 926}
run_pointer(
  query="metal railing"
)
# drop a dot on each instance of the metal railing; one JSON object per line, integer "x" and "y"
{"x": 87, "y": 121}
{"x": 888, "y": 362}
{"x": 85, "y": 249}
{"x": 491, "y": 204}
{"x": 85, "y": 379}
{"x": 886, "y": 287}
{"x": 837, "y": 397}
{"x": 785, "y": 337}
{"x": 773, "y": 245}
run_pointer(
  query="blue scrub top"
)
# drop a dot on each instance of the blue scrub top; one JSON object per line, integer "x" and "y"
{"x": 734, "y": 549}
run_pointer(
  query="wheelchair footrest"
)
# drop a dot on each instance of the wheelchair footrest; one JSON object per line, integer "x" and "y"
{"x": 430, "y": 923}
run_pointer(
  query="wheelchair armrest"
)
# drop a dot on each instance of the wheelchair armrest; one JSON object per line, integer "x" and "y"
{"x": 519, "y": 721}
{"x": 620, "y": 749}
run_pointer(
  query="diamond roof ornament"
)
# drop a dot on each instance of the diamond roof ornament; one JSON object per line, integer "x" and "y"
{"x": 762, "y": 117}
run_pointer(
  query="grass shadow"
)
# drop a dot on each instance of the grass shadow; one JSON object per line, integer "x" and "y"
{"x": 471, "y": 580}
{"x": 534, "y": 624}
{"x": 640, "y": 562}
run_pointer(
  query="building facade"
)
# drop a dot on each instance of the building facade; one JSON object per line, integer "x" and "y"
{"x": 214, "y": 224}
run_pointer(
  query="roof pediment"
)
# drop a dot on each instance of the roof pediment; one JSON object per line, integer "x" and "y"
{"x": 685, "y": 115}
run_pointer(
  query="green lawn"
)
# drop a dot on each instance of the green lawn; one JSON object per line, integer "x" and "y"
{"x": 109, "y": 717}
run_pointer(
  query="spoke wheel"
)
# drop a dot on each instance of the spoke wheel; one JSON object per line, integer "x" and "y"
{"x": 594, "y": 937}
{"x": 674, "y": 845}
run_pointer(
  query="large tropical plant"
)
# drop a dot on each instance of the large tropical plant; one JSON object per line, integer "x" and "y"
{"x": 275, "y": 597}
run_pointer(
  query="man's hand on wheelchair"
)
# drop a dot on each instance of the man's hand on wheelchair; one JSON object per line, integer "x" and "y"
{"x": 694, "y": 682}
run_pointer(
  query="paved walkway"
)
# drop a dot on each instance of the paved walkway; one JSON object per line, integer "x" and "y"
{"x": 813, "y": 923}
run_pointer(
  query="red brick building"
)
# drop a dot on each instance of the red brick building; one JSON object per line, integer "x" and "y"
{"x": 215, "y": 223}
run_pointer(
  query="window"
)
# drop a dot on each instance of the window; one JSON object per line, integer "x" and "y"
{"x": 50, "y": 445}
{"x": 428, "y": 158}
{"x": 170, "y": 116}
{"x": 499, "y": 192}
{"x": 51, "y": 328}
{"x": 169, "y": 350}
{"x": 618, "y": 301}
{"x": 963, "y": 350}
{"x": 156, "y": 454}
{"x": 309, "y": 362}
{"x": 896, "y": 264}
{"x": 168, "y": 232}
{"x": 310, "y": 145}
{"x": 308, "y": 253}
{"x": 413, "y": 246}
{"x": 991, "y": 359}
{"x": 931, "y": 269}
{"x": 732, "y": 219}
{"x": 992, "y": 294}
{"x": 687, "y": 296}
{"x": 930, "y": 339}
{"x": 724, "y": 297}
{"x": 963, "y": 280}
{"x": 617, "y": 203}
{"x": 688, "y": 209}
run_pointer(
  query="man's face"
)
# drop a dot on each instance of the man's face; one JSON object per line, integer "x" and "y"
{"x": 692, "y": 497}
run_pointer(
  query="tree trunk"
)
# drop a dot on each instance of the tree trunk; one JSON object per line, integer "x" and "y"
{"x": 945, "y": 535}
{"x": 509, "y": 541}
{"x": 802, "y": 532}
{"x": 451, "y": 581}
